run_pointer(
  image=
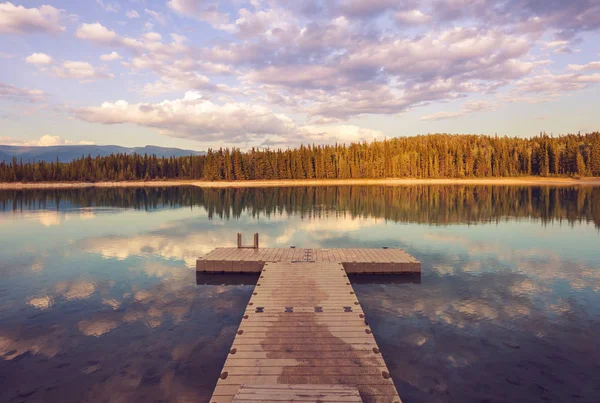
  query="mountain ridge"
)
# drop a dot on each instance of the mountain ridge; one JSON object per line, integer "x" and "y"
{"x": 67, "y": 153}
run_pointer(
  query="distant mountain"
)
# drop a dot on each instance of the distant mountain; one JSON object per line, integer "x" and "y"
{"x": 69, "y": 153}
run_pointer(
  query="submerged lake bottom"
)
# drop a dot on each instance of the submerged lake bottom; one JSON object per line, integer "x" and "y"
{"x": 100, "y": 301}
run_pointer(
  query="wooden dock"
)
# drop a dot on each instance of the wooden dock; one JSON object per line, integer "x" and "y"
{"x": 354, "y": 260}
{"x": 304, "y": 336}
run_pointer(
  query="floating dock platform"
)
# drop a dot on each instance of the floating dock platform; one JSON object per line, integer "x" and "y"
{"x": 354, "y": 260}
{"x": 304, "y": 336}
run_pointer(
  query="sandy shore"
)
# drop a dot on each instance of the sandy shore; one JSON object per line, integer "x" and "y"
{"x": 537, "y": 181}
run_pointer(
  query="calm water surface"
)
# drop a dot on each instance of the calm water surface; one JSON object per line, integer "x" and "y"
{"x": 99, "y": 300}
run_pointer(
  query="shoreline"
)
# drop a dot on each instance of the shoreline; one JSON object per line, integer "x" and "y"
{"x": 529, "y": 181}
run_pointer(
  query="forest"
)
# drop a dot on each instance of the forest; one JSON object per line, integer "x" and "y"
{"x": 424, "y": 156}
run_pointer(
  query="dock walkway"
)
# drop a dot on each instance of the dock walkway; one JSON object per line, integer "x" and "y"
{"x": 303, "y": 326}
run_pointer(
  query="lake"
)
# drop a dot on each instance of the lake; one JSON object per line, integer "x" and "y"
{"x": 99, "y": 298}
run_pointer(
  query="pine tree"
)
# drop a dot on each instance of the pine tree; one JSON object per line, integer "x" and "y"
{"x": 595, "y": 155}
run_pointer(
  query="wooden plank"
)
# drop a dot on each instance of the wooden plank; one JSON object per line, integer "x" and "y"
{"x": 304, "y": 379}
{"x": 297, "y": 393}
{"x": 305, "y": 355}
{"x": 297, "y": 371}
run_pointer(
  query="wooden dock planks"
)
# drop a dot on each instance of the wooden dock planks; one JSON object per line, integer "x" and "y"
{"x": 303, "y": 326}
{"x": 365, "y": 260}
{"x": 297, "y": 393}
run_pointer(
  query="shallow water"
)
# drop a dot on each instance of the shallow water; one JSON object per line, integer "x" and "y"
{"x": 99, "y": 300}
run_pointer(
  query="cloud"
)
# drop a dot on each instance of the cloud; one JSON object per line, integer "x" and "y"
{"x": 111, "y": 56}
{"x": 109, "y": 7}
{"x": 412, "y": 17}
{"x": 70, "y": 69}
{"x": 21, "y": 20}
{"x": 156, "y": 16}
{"x": 256, "y": 23}
{"x": 553, "y": 85}
{"x": 177, "y": 69}
{"x": 78, "y": 289}
{"x": 82, "y": 71}
{"x": 97, "y": 327}
{"x": 202, "y": 10}
{"x": 43, "y": 302}
{"x": 332, "y": 65}
{"x": 469, "y": 53}
{"x": 44, "y": 141}
{"x": 96, "y": 32}
{"x": 148, "y": 43}
{"x": 361, "y": 8}
{"x": 40, "y": 59}
{"x": 329, "y": 75}
{"x": 338, "y": 133}
{"x": 325, "y": 62}
{"x": 152, "y": 36}
{"x": 132, "y": 14}
{"x": 584, "y": 67}
{"x": 192, "y": 117}
{"x": 178, "y": 76}
{"x": 559, "y": 46}
{"x": 466, "y": 109}
{"x": 301, "y": 76}
{"x": 14, "y": 94}
{"x": 191, "y": 7}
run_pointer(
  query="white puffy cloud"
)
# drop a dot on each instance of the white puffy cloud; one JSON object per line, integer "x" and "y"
{"x": 320, "y": 134}
{"x": 39, "y": 59}
{"x": 48, "y": 140}
{"x": 192, "y": 117}
{"x": 152, "y": 36}
{"x": 252, "y": 23}
{"x": 96, "y": 32}
{"x": 183, "y": 74}
{"x": 21, "y": 20}
{"x": 111, "y": 56}
{"x": 196, "y": 118}
{"x": 149, "y": 42}
{"x": 470, "y": 52}
{"x": 82, "y": 71}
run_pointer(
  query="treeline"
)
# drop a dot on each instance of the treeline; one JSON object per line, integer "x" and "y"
{"x": 431, "y": 156}
{"x": 434, "y": 204}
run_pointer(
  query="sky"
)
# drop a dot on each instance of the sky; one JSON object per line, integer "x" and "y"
{"x": 196, "y": 74}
